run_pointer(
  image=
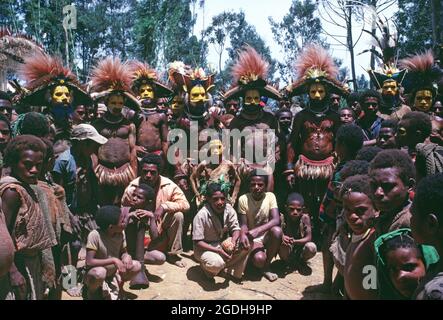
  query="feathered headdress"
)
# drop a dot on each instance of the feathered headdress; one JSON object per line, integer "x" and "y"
{"x": 423, "y": 73}
{"x": 184, "y": 78}
{"x": 43, "y": 72}
{"x": 249, "y": 73}
{"x": 142, "y": 73}
{"x": 386, "y": 53}
{"x": 315, "y": 65}
{"x": 113, "y": 76}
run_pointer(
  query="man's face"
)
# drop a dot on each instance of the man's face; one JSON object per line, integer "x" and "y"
{"x": 149, "y": 174}
{"x": 358, "y": 211}
{"x": 252, "y": 97}
{"x": 437, "y": 131}
{"x": 61, "y": 95}
{"x": 216, "y": 147}
{"x": 370, "y": 106}
{"x": 6, "y": 108}
{"x": 335, "y": 101}
{"x": 404, "y": 136}
{"x": 317, "y": 92}
{"x": 390, "y": 88}
{"x": 406, "y": 269}
{"x": 346, "y": 116}
{"x": 257, "y": 187}
{"x": 177, "y": 105}
{"x": 79, "y": 115}
{"x": 437, "y": 108}
{"x": 389, "y": 191}
{"x": 5, "y": 135}
{"x": 115, "y": 104}
{"x": 198, "y": 95}
{"x": 217, "y": 202}
{"x": 285, "y": 120}
{"x": 386, "y": 138}
{"x": 29, "y": 166}
{"x": 146, "y": 92}
{"x": 423, "y": 100}
{"x": 232, "y": 107}
{"x": 183, "y": 184}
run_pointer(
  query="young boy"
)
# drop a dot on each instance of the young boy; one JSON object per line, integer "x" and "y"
{"x": 427, "y": 228}
{"x": 297, "y": 246}
{"x": 370, "y": 123}
{"x": 359, "y": 213}
{"x": 347, "y": 116}
{"x": 401, "y": 264}
{"x": 386, "y": 136}
{"x": 392, "y": 176}
{"x": 141, "y": 217}
{"x": 260, "y": 224}
{"x": 106, "y": 255}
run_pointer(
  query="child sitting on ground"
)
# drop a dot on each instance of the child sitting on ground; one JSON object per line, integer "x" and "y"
{"x": 106, "y": 258}
{"x": 359, "y": 213}
{"x": 401, "y": 264}
{"x": 297, "y": 246}
{"x": 141, "y": 217}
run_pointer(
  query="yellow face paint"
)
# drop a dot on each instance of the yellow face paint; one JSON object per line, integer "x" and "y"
{"x": 216, "y": 147}
{"x": 390, "y": 88}
{"x": 252, "y": 97}
{"x": 61, "y": 94}
{"x": 115, "y": 104}
{"x": 317, "y": 92}
{"x": 423, "y": 100}
{"x": 146, "y": 92}
{"x": 198, "y": 94}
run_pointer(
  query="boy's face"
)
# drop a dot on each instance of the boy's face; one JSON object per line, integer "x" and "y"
{"x": 183, "y": 184}
{"x": 425, "y": 228}
{"x": 295, "y": 210}
{"x": 370, "y": 106}
{"x": 29, "y": 166}
{"x": 404, "y": 135}
{"x": 358, "y": 211}
{"x": 257, "y": 187}
{"x": 285, "y": 120}
{"x": 386, "y": 138}
{"x": 388, "y": 190}
{"x": 406, "y": 268}
{"x": 138, "y": 200}
{"x": 346, "y": 116}
{"x": 217, "y": 202}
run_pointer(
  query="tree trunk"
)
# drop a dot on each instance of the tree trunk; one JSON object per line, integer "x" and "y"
{"x": 350, "y": 43}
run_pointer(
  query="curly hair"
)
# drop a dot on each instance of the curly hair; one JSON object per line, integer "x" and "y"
{"x": 394, "y": 158}
{"x": 22, "y": 143}
{"x": 358, "y": 183}
{"x": 370, "y": 93}
{"x": 429, "y": 196}
{"x": 368, "y": 153}
{"x": 354, "y": 167}
{"x": 350, "y": 136}
{"x": 419, "y": 121}
{"x": 107, "y": 216}
{"x": 152, "y": 159}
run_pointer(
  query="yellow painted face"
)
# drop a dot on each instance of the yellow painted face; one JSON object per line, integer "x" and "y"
{"x": 252, "y": 97}
{"x": 198, "y": 94}
{"x": 216, "y": 147}
{"x": 177, "y": 105}
{"x": 317, "y": 92}
{"x": 61, "y": 94}
{"x": 390, "y": 88}
{"x": 146, "y": 92}
{"x": 115, "y": 104}
{"x": 423, "y": 100}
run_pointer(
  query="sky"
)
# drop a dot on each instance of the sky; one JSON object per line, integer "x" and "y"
{"x": 257, "y": 13}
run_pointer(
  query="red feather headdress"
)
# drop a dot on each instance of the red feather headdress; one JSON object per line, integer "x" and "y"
{"x": 142, "y": 73}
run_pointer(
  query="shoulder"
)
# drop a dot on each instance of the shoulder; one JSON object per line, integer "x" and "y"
{"x": 94, "y": 235}
{"x": 270, "y": 195}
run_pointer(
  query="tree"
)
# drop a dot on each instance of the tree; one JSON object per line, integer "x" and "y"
{"x": 298, "y": 28}
{"x": 414, "y": 21}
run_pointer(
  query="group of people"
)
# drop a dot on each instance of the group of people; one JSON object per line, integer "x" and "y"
{"x": 98, "y": 178}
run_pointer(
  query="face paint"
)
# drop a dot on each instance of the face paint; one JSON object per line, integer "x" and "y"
{"x": 423, "y": 100}
{"x": 390, "y": 88}
{"x": 216, "y": 147}
{"x": 198, "y": 95}
{"x": 317, "y": 92}
{"x": 146, "y": 92}
{"x": 115, "y": 104}
{"x": 252, "y": 97}
{"x": 61, "y": 95}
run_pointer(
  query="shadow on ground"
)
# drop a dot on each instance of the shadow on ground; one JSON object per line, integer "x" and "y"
{"x": 195, "y": 274}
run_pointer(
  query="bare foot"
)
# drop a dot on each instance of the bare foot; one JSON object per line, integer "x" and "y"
{"x": 270, "y": 276}
{"x": 176, "y": 260}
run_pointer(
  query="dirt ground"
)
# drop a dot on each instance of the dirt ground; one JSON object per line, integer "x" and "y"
{"x": 169, "y": 282}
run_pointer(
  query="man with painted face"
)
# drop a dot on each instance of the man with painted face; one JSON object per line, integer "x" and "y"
{"x": 151, "y": 123}
{"x": 6, "y": 105}
{"x": 388, "y": 81}
{"x": 50, "y": 84}
{"x": 115, "y": 165}
{"x": 249, "y": 75}
{"x": 421, "y": 80}
{"x": 310, "y": 161}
